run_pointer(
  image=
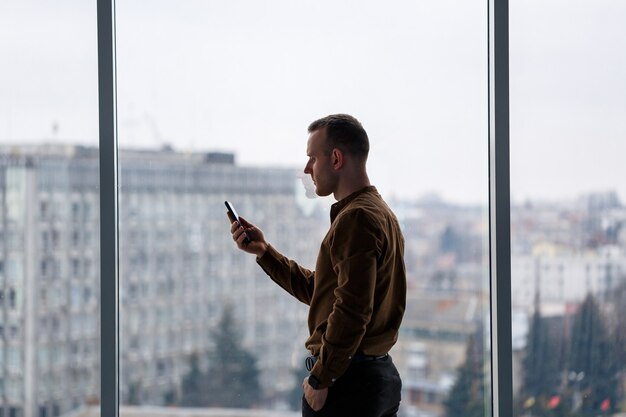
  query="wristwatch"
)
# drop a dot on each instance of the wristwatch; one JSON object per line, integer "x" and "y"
{"x": 313, "y": 382}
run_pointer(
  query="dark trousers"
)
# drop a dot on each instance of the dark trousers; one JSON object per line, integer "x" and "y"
{"x": 366, "y": 389}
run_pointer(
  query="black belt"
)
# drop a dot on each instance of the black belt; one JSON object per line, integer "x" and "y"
{"x": 358, "y": 357}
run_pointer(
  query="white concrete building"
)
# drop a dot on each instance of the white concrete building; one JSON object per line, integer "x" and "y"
{"x": 178, "y": 268}
{"x": 563, "y": 276}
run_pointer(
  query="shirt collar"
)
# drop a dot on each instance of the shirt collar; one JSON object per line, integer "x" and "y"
{"x": 336, "y": 208}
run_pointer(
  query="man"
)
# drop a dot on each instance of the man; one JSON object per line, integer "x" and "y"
{"x": 358, "y": 289}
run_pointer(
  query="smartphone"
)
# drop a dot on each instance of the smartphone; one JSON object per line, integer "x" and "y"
{"x": 233, "y": 212}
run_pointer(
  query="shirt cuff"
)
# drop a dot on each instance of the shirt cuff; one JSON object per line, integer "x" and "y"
{"x": 270, "y": 261}
{"x": 326, "y": 377}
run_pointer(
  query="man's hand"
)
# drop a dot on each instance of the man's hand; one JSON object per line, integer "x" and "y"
{"x": 257, "y": 245}
{"x": 316, "y": 398}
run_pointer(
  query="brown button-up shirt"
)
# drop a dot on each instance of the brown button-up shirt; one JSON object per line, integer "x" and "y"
{"x": 357, "y": 292}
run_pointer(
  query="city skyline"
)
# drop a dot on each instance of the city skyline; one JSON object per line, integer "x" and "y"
{"x": 178, "y": 271}
{"x": 306, "y": 191}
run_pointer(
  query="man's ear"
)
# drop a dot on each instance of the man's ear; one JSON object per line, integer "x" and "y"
{"x": 337, "y": 158}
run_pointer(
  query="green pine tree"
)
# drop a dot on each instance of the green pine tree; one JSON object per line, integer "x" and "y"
{"x": 466, "y": 397}
{"x": 592, "y": 356}
{"x": 618, "y": 299}
{"x": 232, "y": 378}
{"x": 193, "y": 389}
{"x": 542, "y": 364}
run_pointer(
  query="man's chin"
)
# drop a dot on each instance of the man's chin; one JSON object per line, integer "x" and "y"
{"x": 321, "y": 193}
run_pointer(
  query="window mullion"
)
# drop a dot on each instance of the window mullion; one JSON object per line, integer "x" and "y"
{"x": 109, "y": 363}
{"x": 500, "y": 209}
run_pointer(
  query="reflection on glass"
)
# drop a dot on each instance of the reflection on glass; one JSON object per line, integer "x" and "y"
{"x": 213, "y": 102}
{"x": 567, "y": 213}
{"x": 49, "y": 199}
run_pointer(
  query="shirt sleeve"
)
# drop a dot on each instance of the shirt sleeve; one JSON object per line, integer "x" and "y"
{"x": 293, "y": 278}
{"x": 355, "y": 249}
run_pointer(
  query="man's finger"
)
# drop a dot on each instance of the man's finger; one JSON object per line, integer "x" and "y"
{"x": 244, "y": 222}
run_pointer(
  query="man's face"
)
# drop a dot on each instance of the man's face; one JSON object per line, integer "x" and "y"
{"x": 319, "y": 165}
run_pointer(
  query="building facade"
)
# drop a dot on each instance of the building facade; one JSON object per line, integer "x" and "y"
{"x": 178, "y": 270}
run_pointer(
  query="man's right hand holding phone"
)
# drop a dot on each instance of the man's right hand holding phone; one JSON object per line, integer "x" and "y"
{"x": 257, "y": 244}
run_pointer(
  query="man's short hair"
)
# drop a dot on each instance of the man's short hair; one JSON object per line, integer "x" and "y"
{"x": 344, "y": 132}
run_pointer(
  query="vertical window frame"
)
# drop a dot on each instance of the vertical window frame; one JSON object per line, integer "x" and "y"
{"x": 500, "y": 209}
{"x": 109, "y": 264}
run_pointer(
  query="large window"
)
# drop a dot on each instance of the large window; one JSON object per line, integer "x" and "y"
{"x": 213, "y": 104}
{"x": 49, "y": 209}
{"x": 568, "y": 213}
{"x": 213, "y": 101}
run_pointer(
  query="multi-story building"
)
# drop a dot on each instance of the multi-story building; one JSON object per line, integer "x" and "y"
{"x": 178, "y": 269}
{"x": 562, "y": 276}
{"x": 49, "y": 279}
{"x": 563, "y": 250}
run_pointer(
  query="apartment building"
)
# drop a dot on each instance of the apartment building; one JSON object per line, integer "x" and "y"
{"x": 178, "y": 270}
{"x": 563, "y": 276}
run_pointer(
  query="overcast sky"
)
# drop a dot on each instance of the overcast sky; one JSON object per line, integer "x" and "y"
{"x": 249, "y": 76}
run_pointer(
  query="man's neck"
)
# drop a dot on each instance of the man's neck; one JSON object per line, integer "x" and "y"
{"x": 349, "y": 187}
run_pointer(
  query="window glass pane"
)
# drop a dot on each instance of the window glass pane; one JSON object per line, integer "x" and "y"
{"x": 214, "y": 100}
{"x": 49, "y": 201}
{"x": 568, "y": 219}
